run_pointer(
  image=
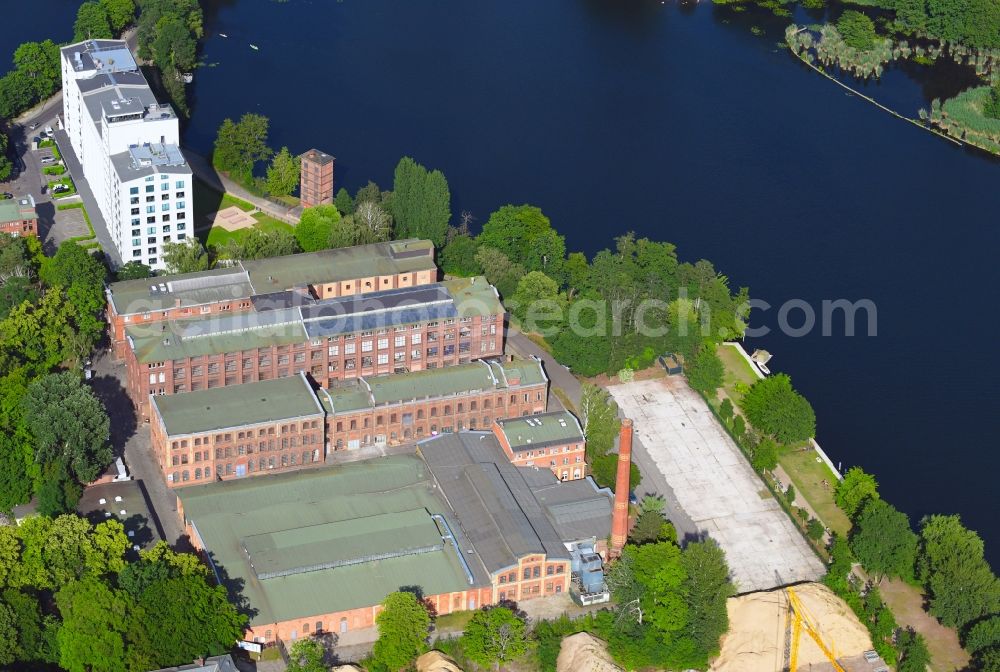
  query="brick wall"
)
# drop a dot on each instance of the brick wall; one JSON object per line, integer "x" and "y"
{"x": 423, "y": 346}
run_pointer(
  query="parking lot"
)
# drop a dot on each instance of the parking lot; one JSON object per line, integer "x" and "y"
{"x": 714, "y": 484}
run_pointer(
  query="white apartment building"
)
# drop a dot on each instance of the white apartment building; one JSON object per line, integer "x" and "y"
{"x": 127, "y": 144}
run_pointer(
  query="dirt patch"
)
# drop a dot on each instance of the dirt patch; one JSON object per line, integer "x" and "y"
{"x": 758, "y": 637}
{"x": 583, "y": 652}
{"x": 907, "y": 604}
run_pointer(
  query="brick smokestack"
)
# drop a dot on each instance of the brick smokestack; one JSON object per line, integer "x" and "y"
{"x": 619, "y": 517}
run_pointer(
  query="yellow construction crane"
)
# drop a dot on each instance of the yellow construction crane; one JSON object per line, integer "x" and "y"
{"x": 800, "y": 618}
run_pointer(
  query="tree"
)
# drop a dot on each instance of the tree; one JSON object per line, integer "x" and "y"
{"x": 283, "y": 173}
{"x": 69, "y": 424}
{"x": 983, "y": 635}
{"x": 8, "y": 634}
{"x": 961, "y": 586}
{"x": 91, "y": 23}
{"x": 120, "y": 13}
{"x": 857, "y": 30}
{"x": 537, "y": 302}
{"x": 705, "y": 371}
{"x": 81, "y": 277}
{"x": 883, "y": 541}
{"x": 774, "y": 408}
{"x": 403, "y": 624}
{"x": 369, "y": 192}
{"x": 599, "y": 419}
{"x": 371, "y": 224}
{"x": 841, "y": 564}
{"x": 815, "y": 529}
{"x": 183, "y": 617}
{"x": 495, "y": 636}
{"x": 421, "y": 202}
{"x": 260, "y": 244}
{"x": 726, "y": 410}
{"x": 854, "y": 490}
{"x": 765, "y": 456}
{"x": 94, "y": 619}
{"x": 526, "y": 236}
{"x": 344, "y": 202}
{"x": 706, "y": 589}
{"x": 316, "y": 226}
{"x": 133, "y": 270}
{"x": 39, "y": 61}
{"x": 306, "y": 655}
{"x": 651, "y": 526}
{"x": 499, "y": 270}
{"x": 186, "y": 256}
{"x": 459, "y": 256}
{"x": 913, "y": 654}
{"x": 991, "y": 106}
{"x": 240, "y": 145}
{"x": 174, "y": 48}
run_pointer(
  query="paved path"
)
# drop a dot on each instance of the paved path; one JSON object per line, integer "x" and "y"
{"x": 133, "y": 440}
{"x": 89, "y": 200}
{"x": 206, "y": 172}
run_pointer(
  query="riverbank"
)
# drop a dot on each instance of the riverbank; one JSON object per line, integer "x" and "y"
{"x": 813, "y": 475}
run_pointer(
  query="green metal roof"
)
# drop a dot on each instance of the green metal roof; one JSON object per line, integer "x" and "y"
{"x": 344, "y": 263}
{"x": 368, "y": 392}
{"x": 176, "y": 339}
{"x": 11, "y": 210}
{"x": 295, "y": 509}
{"x": 450, "y": 380}
{"x": 237, "y": 405}
{"x": 544, "y": 429}
{"x": 342, "y": 543}
{"x": 263, "y": 276}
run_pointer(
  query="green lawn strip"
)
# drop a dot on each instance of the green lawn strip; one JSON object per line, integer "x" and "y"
{"x": 68, "y": 181}
{"x": 455, "y": 621}
{"x": 218, "y": 236}
{"x": 808, "y": 472}
{"x": 737, "y": 371}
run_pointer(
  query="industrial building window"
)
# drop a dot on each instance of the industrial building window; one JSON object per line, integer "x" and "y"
{"x": 559, "y": 569}
{"x": 549, "y": 571}
{"x": 305, "y": 628}
{"x": 536, "y": 572}
{"x": 527, "y": 572}
{"x": 503, "y": 579}
{"x": 133, "y": 190}
{"x": 511, "y": 577}
{"x": 319, "y": 626}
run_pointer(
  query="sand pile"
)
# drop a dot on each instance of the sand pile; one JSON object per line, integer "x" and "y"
{"x": 435, "y": 661}
{"x": 583, "y": 652}
{"x": 759, "y": 623}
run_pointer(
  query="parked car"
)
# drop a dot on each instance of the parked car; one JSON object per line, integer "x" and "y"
{"x": 59, "y": 188}
{"x": 47, "y": 159}
{"x": 33, "y": 126}
{"x": 48, "y": 131}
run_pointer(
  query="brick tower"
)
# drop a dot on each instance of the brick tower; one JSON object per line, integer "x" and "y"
{"x": 316, "y": 179}
{"x": 619, "y": 516}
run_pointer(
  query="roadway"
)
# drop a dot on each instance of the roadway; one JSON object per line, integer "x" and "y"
{"x": 653, "y": 481}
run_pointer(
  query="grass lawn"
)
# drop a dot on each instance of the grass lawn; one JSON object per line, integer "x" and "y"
{"x": 738, "y": 370}
{"x": 218, "y": 236}
{"x": 808, "y": 473}
{"x": 208, "y": 201}
{"x": 906, "y": 603}
{"x": 454, "y": 621}
{"x": 62, "y": 194}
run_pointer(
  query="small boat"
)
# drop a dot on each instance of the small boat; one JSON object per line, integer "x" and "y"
{"x": 255, "y": 47}
{"x": 761, "y": 358}
{"x": 223, "y": 35}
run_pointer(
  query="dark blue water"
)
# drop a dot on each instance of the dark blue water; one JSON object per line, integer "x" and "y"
{"x": 682, "y": 125}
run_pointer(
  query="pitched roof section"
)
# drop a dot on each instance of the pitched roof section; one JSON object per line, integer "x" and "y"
{"x": 507, "y": 511}
{"x": 451, "y": 381}
{"x": 174, "y": 339}
{"x": 274, "y": 274}
{"x": 538, "y": 431}
{"x": 322, "y": 506}
{"x": 237, "y": 406}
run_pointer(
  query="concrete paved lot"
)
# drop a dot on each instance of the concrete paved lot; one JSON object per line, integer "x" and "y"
{"x": 715, "y": 485}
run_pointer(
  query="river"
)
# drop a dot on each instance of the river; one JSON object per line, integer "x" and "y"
{"x": 680, "y": 123}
